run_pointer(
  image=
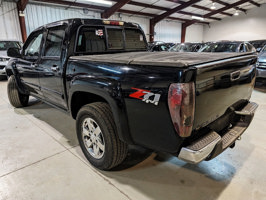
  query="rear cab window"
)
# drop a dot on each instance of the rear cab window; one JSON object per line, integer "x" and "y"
{"x": 101, "y": 39}
{"x": 91, "y": 39}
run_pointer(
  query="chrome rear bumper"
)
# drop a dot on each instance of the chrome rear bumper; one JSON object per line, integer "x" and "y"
{"x": 212, "y": 144}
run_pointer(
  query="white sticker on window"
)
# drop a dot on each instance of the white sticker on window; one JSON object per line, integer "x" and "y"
{"x": 140, "y": 37}
{"x": 99, "y": 32}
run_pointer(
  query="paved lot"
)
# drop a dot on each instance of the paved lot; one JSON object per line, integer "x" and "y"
{"x": 40, "y": 159}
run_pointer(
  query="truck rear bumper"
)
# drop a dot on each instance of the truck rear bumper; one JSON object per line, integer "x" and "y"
{"x": 212, "y": 144}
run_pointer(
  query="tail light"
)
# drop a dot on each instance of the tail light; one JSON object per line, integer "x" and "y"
{"x": 181, "y": 102}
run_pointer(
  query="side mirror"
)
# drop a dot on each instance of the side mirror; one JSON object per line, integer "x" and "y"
{"x": 258, "y": 49}
{"x": 14, "y": 53}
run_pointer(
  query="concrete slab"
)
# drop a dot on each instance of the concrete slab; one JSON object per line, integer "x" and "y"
{"x": 62, "y": 176}
{"x": 64, "y": 173}
{"x": 52, "y": 121}
{"x": 21, "y": 142}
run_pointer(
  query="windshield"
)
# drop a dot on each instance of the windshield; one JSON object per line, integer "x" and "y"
{"x": 264, "y": 49}
{"x": 183, "y": 47}
{"x": 220, "y": 47}
{"x": 258, "y": 44}
{"x": 5, "y": 45}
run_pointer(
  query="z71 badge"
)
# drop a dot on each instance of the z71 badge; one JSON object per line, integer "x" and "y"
{"x": 146, "y": 96}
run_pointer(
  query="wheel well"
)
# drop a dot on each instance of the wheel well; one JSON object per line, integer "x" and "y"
{"x": 9, "y": 72}
{"x": 80, "y": 99}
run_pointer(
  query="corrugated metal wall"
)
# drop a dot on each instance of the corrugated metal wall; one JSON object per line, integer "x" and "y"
{"x": 194, "y": 33}
{"x": 38, "y": 15}
{"x": 142, "y": 21}
{"x": 9, "y": 23}
{"x": 168, "y": 31}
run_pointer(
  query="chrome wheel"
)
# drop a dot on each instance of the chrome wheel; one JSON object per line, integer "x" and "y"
{"x": 93, "y": 138}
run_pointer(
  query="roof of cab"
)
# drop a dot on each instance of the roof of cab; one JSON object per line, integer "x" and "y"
{"x": 84, "y": 21}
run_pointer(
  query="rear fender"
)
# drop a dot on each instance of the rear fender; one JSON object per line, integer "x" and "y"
{"x": 110, "y": 91}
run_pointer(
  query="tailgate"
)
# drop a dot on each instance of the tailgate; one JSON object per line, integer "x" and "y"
{"x": 221, "y": 84}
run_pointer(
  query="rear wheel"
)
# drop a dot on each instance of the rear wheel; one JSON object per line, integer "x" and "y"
{"x": 98, "y": 137}
{"x": 16, "y": 98}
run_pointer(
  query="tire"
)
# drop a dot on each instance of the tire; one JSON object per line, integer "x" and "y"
{"x": 98, "y": 137}
{"x": 3, "y": 78}
{"x": 16, "y": 99}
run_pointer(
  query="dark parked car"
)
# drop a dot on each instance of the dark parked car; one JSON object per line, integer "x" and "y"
{"x": 169, "y": 44}
{"x": 151, "y": 44}
{"x": 228, "y": 46}
{"x": 258, "y": 44}
{"x": 4, "y": 46}
{"x": 159, "y": 47}
{"x": 186, "y": 47}
{"x": 261, "y": 65}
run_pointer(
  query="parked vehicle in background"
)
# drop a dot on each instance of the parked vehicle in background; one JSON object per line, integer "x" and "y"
{"x": 151, "y": 44}
{"x": 228, "y": 46}
{"x": 169, "y": 44}
{"x": 261, "y": 65}
{"x": 4, "y": 46}
{"x": 159, "y": 47}
{"x": 186, "y": 47}
{"x": 258, "y": 44}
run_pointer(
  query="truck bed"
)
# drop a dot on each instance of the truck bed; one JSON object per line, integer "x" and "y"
{"x": 222, "y": 79}
{"x": 168, "y": 59}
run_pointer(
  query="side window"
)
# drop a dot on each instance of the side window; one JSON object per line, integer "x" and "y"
{"x": 54, "y": 41}
{"x": 247, "y": 48}
{"x": 91, "y": 39}
{"x": 156, "y": 48}
{"x": 115, "y": 38}
{"x": 163, "y": 48}
{"x": 250, "y": 48}
{"x": 241, "y": 48}
{"x": 33, "y": 48}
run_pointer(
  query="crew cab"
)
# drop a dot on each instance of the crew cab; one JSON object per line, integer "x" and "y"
{"x": 193, "y": 106}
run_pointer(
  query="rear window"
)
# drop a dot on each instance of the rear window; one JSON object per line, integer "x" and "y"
{"x": 134, "y": 39}
{"x": 91, "y": 39}
{"x": 115, "y": 38}
{"x": 99, "y": 39}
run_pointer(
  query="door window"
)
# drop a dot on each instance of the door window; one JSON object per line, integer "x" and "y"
{"x": 53, "y": 44}
{"x": 241, "y": 49}
{"x": 33, "y": 48}
{"x": 249, "y": 47}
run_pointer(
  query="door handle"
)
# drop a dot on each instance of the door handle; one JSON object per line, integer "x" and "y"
{"x": 55, "y": 68}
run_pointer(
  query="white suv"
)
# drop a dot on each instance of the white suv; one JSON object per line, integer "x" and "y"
{"x": 4, "y": 46}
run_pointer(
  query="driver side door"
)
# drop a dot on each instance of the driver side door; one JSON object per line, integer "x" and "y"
{"x": 28, "y": 65}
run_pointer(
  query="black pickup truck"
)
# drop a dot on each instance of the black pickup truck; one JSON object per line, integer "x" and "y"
{"x": 192, "y": 105}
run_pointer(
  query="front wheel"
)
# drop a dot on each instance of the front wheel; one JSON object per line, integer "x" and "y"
{"x": 16, "y": 98}
{"x": 98, "y": 137}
